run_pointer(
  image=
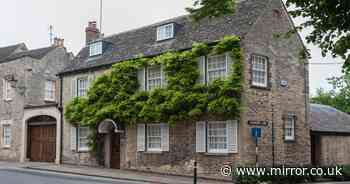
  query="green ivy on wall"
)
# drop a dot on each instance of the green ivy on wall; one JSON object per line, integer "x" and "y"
{"x": 115, "y": 95}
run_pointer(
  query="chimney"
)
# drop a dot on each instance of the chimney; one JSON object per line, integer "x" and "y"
{"x": 92, "y": 32}
{"x": 58, "y": 42}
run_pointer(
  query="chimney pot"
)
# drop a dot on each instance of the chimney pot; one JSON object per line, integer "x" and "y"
{"x": 91, "y": 32}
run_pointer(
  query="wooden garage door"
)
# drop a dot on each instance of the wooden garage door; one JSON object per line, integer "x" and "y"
{"x": 42, "y": 144}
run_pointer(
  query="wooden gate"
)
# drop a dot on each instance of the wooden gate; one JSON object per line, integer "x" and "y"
{"x": 42, "y": 143}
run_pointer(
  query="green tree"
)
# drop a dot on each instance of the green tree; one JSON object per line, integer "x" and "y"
{"x": 330, "y": 24}
{"x": 211, "y": 9}
{"x": 338, "y": 97}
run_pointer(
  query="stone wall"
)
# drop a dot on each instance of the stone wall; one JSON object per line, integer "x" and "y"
{"x": 335, "y": 150}
{"x": 181, "y": 155}
{"x": 30, "y": 76}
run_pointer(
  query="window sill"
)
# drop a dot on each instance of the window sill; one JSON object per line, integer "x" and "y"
{"x": 50, "y": 100}
{"x": 6, "y": 147}
{"x": 7, "y": 100}
{"x": 260, "y": 87}
{"x": 153, "y": 152}
{"x": 216, "y": 154}
{"x": 289, "y": 140}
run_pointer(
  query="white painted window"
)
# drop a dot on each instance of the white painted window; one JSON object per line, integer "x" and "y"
{"x": 289, "y": 133}
{"x": 6, "y": 133}
{"x": 154, "y": 137}
{"x": 154, "y": 77}
{"x": 83, "y": 138}
{"x": 96, "y": 48}
{"x": 217, "y": 137}
{"x": 216, "y": 67}
{"x": 50, "y": 90}
{"x": 259, "y": 71}
{"x": 7, "y": 90}
{"x": 165, "y": 32}
{"x": 82, "y": 86}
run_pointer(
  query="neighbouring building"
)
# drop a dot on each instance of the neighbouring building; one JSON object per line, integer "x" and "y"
{"x": 275, "y": 96}
{"x": 29, "y": 114}
{"x": 330, "y": 136}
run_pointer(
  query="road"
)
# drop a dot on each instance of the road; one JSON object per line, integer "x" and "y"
{"x": 24, "y": 176}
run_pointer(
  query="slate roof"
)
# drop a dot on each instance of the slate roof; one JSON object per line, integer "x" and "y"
{"x": 35, "y": 53}
{"x": 8, "y": 50}
{"x": 130, "y": 44}
{"x": 328, "y": 119}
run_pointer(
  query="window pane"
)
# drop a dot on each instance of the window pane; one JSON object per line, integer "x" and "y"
{"x": 7, "y": 133}
{"x": 217, "y": 137}
{"x": 259, "y": 70}
{"x": 217, "y": 67}
{"x": 82, "y": 87}
{"x": 83, "y": 133}
{"x": 154, "y": 137}
{"x": 165, "y": 32}
{"x": 154, "y": 77}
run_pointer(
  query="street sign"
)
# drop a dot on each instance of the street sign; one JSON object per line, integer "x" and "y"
{"x": 256, "y": 132}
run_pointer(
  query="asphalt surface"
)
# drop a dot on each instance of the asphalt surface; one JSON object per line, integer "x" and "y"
{"x": 22, "y": 176}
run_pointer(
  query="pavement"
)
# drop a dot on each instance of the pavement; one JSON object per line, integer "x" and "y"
{"x": 43, "y": 173}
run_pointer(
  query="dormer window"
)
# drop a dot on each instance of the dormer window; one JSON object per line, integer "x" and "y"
{"x": 165, "y": 32}
{"x": 96, "y": 48}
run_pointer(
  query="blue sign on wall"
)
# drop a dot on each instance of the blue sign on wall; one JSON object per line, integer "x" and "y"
{"x": 256, "y": 132}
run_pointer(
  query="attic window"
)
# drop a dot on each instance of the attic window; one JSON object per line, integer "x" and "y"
{"x": 96, "y": 48}
{"x": 165, "y": 32}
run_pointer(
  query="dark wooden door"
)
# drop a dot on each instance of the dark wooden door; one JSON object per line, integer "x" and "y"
{"x": 115, "y": 151}
{"x": 42, "y": 143}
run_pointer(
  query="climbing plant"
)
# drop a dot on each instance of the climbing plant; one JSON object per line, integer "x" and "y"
{"x": 116, "y": 95}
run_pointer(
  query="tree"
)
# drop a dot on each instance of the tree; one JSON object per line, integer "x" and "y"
{"x": 211, "y": 9}
{"x": 330, "y": 22}
{"x": 338, "y": 97}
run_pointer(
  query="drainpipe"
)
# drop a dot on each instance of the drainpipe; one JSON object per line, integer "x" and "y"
{"x": 60, "y": 108}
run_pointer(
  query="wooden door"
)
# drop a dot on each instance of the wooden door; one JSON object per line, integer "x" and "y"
{"x": 115, "y": 151}
{"x": 42, "y": 143}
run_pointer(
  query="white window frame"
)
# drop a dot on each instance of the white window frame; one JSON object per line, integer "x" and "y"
{"x": 289, "y": 128}
{"x": 209, "y": 149}
{"x": 95, "y": 48}
{"x": 6, "y": 124}
{"x": 8, "y": 90}
{"x": 162, "y": 33}
{"x": 81, "y": 89}
{"x": 216, "y": 69}
{"x": 160, "y": 136}
{"x": 50, "y": 90}
{"x": 80, "y": 138}
{"x": 148, "y": 79}
{"x": 258, "y": 58}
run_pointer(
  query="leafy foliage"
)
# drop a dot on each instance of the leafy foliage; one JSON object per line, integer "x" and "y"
{"x": 211, "y": 9}
{"x": 115, "y": 94}
{"x": 338, "y": 97}
{"x": 330, "y": 22}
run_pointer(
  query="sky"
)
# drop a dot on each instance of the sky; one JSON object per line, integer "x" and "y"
{"x": 28, "y": 21}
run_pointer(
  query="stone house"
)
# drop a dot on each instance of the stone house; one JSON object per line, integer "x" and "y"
{"x": 275, "y": 96}
{"x": 330, "y": 136}
{"x": 29, "y": 114}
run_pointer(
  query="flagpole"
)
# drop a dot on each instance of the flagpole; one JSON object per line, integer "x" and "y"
{"x": 101, "y": 9}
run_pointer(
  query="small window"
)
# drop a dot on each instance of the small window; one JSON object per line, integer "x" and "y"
{"x": 96, "y": 48}
{"x": 217, "y": 137}
{"x": 82, "y": 86}
{"x": 165, "y": 32}
{"x": 154, "y": 137}
{"x": 50, "y": 90}
{"x": 83, "y": 138}
{"x": 154, "y": 77}
{"x": 216, "y": 67}
{"x": 289, "y": 129}
{"x": 259, "y": 71}
{"x": 7, "y": 135}
{"x": 8, "y": 90}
